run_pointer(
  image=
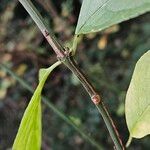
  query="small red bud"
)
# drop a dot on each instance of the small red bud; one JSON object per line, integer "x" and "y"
{"x": 96, "y": 99}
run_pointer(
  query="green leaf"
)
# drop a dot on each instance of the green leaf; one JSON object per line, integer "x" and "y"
{"x": 137, "y": 107}
{"x": 96, "y": 15}
{"x": 29, "y": 133}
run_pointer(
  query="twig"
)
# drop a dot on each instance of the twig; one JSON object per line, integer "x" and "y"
{"x": 66, "y": 57}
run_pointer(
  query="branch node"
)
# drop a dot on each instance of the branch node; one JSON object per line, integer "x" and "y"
{"x": 96, "y": 99}
{"x": 46, "y": 33}
{"x": 65, "y": 55}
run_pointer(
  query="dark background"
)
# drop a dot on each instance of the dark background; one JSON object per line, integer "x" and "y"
{"x": 108, "y": 59}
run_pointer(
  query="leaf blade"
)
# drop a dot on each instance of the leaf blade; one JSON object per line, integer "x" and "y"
{"x": 97, "y": 15}
{"x": 137, "y": 105}
{"x": 29, "y": 133}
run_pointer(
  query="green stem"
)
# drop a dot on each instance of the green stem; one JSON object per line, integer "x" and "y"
{"x": 129, "y": 142}
{"x": 65, "y": 57}
{"x": 110, "y": 126}
{"x": 75, "y": 43}
{"x": 54, "y": 109}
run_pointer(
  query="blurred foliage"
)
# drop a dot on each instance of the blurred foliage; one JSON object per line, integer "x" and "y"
{"x": 108, "y": 59}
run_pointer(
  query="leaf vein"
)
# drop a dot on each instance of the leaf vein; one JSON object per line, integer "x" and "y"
{"x": 93, "y": 14}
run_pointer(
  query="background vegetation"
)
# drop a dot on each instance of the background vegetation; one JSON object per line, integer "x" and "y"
{"x": 107, "y": 57}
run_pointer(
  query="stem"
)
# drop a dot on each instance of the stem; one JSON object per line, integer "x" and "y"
{"x": 54, "y": 108}
{"x": 57, "y": 47}
{"x": 71, "y": 64}
{"x": 75, "y": 43}
{"x": 65, "y": 56}
{"x": 97, "y": 101}
{"x": 110, "y": 126}
{"x": 129, "y": 141}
